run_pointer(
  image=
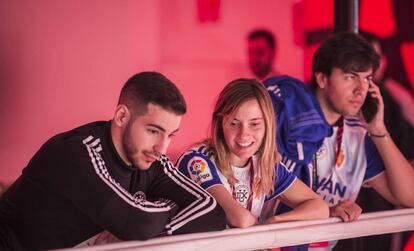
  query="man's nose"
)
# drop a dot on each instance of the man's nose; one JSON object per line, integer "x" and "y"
{"x": 362, "y": 86}
{"x": 162, "y": 145}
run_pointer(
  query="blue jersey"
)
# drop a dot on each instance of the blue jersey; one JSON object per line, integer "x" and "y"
{"x": 308, "y": 144}
{"x": 199, "y": 164}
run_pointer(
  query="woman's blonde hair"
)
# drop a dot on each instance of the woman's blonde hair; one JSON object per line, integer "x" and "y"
{"x": 230, "y": 99}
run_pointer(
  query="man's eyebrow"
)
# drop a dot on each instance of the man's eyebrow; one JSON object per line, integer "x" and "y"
{"x": 161, "y": 128}
{"x": 356, "y": 73}
{"x": 175, "y": 131}
{"x": 156, "y": 126}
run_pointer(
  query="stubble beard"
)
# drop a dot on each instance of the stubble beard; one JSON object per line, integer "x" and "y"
{"x": 128, "y": 147}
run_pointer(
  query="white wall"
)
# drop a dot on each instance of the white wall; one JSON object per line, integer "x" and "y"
{"x": 62, "y": 63}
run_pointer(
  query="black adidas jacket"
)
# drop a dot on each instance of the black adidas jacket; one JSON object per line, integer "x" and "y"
{"x": 76, "y": 186}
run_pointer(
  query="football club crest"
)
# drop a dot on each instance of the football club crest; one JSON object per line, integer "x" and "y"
{"x": 139, "y": 196}
{"x": 340, "y": 158}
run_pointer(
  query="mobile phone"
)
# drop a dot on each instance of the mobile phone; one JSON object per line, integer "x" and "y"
{"x": 369, "y": 108}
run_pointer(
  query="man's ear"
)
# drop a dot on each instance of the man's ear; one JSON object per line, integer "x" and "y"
{"x": 321, "y": 80}
{"x": 122, "y": 115}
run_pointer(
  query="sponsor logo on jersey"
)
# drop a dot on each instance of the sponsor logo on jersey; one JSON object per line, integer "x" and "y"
{"x": 139, "y": 196}
{"x": 331, "y": 187}
{"x": 198, "y": 170}
{"x": 331, "y": 192}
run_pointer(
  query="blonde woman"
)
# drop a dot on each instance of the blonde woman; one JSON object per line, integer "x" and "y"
{"x": 239, "y": 164}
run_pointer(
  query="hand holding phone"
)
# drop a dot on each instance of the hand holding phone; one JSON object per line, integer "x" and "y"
{"x": 373, "y": 111}
{"x": 369, "y": 108}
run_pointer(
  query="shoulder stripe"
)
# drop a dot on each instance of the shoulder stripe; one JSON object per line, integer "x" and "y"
{"x": 353, "y": 121}
{"x": 273, "y": 88}
{"x": 203, "y": 204}
{"x": 100, "y": 168}
{"x": 289, "y": 164}
{"x": 311, "y": 117}
{"x": 351, "y": 118}
{"x": 312, "y": 114}
{"x": 201, "y": 149}
{"x": 353, "y": 124}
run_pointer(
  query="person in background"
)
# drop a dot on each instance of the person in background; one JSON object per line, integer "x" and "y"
{"x": 239, "y": 164}
{"x": 332, "y": 134}
{"x": 109, "y": 176}
{"x": 261, "y": 52}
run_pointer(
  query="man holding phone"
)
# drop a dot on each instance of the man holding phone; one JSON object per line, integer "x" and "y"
{"x": 328, "y": 143}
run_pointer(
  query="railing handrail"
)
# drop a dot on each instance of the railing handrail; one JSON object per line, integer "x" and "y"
{"x": 275, "y": 235}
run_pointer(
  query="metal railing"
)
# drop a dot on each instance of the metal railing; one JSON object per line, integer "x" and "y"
{"x": 275, "y": 235}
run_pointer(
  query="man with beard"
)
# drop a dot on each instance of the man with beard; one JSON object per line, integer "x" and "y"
{"x": 109, "y": 176}
{"x": 261, "y": 51}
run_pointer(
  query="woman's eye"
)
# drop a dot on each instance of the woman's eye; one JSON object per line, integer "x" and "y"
{"x": 256, "y": 125}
